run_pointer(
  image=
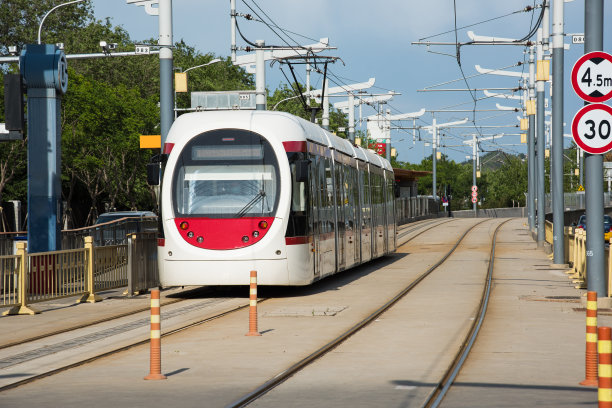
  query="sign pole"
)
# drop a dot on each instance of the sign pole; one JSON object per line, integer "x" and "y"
{"x": 596, "y": 278}
{"x": 540, "y": 145}
{"x": 557, "y": 135}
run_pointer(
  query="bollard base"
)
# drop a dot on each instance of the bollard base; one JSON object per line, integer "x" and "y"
{"x": 251, "y": 334}
{"x": 20, "y": 310}
{"x": 90, "y": 298}
{"x": 589, "y": 383}
{"x": 156, "y": 377}
{"x": 602, "y": 302}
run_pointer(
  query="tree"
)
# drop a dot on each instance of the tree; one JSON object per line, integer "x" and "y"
{"x": 508, "y": 183}
{"x": 100, "y": 149}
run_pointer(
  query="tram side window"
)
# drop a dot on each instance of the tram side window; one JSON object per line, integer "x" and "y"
{"x": 298, "y": 224}
{"x": 390, "y": 198}
{"x": 355, "y": 178}
{"x": 349, "y": 204}
{"x": 339, "y": 195}
{"x": 323, "y": 199}
{"x": 366, "y": 208}
{"x": 329, "y": 204}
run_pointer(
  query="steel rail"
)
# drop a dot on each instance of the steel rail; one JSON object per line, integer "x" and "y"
{"x": 123, "y": 348}
{"x": 437, "y": 395}
{"x": 294, "y": 369}
{"x": 403, "y": 233}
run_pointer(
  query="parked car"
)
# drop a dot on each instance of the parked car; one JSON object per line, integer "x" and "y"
{"x": 607, "y": 221}
{"x": 108, "y": 232}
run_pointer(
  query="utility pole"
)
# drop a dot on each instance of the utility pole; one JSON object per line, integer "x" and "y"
{"x": 596, "y": 277}
{"x": 260, "y": 76}
{"x": 349, "y": 107}
{"x": 166, "y": 70}
{"x": 474, "y": 147}
{"x": 325, "y": 116}
{"x": 434, "y": 131}
{"x": 557, "y": 134}
{"x": 541, "y": 141}
{"x": 532, "y": 182}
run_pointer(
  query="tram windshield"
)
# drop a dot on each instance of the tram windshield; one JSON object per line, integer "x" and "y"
{"x": 226, "y": 173}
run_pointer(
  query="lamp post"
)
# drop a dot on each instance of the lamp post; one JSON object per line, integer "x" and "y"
{"x": 50, "y": 11}
{"x": 181, "y": 78}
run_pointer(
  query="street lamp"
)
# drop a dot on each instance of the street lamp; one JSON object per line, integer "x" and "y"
{"x": 203, "y": 65}
{"x": 49, "y": 12}
{"x": 181, "y": 78}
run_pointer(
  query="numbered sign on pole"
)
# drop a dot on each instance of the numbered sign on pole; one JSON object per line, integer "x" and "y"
{"x": 592, "y": 77}
{"x": 592, "y": 128}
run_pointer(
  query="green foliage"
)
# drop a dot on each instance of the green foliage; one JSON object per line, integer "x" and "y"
{"x": 21, "y": 18}
{"x": 110, "y": 102}
{"x": 102, "y": 125}
{"x": 507, "y": 184}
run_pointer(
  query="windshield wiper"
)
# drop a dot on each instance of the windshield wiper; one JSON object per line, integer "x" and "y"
{"x": 251, "y": 203}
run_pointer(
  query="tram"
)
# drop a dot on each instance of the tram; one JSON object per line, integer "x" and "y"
{"x": 271, "y": 192}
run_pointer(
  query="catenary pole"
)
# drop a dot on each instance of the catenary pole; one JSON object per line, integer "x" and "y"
{"x": 351, "y": 117}
{"x": 325, "y": 102}
{"x": 260, "y": 76}
{"x": 557, "y": 134}
{"x": 532, "y": 182}
{"x": 166, "y": 93}
{"x": 593, "y": 163}
{"x": 474, "y": 153}
{"x": 434, "y": 158}
{"x": 541, "y": 146}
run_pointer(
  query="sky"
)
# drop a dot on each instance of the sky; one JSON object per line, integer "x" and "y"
{"x": 374, "y": 39}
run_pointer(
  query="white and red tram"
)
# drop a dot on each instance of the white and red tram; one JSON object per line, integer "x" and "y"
{"x": 268, "y": 191}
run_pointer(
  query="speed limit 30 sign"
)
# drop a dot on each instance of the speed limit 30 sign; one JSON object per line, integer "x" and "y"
{"x": 592, "y": 77}
{"x": 592, "y": 128}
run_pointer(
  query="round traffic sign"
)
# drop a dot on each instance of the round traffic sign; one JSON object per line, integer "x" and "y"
{"x": 474, "y": 194}
{"x": 592, "y": 77}
{"x": 592, "y": 128}
{"x": 474, "y": 200}
{"x": 474, "y": 188}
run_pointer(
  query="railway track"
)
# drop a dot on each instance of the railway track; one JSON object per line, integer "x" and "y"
{"x": 59, "y": 350}
{"x": 440, "y": 389}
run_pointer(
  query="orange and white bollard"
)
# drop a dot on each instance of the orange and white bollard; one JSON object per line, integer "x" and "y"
{"x": 604, "y": 393}
{"x": 155, "y": 372}
{"x": 253, "y": 306}
{"x": 590, "y": 378}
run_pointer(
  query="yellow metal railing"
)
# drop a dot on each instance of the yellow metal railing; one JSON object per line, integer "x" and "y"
{"x": 30, "y": 278}
{"x": 9, "y": 280}
{"x": 110, "y": 267}
{"x": 577, "y": 260}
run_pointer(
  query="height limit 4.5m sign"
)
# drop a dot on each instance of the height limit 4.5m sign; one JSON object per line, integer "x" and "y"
{"x": 592, "y": 77}
{"x": 592, "y": 128}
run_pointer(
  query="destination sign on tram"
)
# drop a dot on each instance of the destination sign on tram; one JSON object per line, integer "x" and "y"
{"x": 592, "y": 77}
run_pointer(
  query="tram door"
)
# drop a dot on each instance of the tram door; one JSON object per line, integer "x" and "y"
{"x": 315, "y": 206}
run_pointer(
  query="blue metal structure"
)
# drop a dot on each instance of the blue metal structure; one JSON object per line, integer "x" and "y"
{"x": 45, "y": 75}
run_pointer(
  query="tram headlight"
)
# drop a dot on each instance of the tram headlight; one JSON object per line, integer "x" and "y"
{"x": 190, "y": 234}
{"x": 255, "y": 234}
{"x": 184, "y": 225}
{"x": 245, "y": 239}
{"x": 263, "y": 224}
{"x": 200, "y": 240}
